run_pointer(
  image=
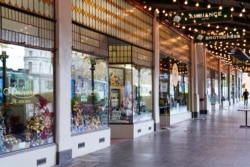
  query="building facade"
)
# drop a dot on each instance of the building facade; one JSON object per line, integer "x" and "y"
{"x": 76, "y": 74}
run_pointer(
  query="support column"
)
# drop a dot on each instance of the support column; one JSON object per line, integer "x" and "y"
{"x": 202, "y": 77}
{"x": 219, "y": 85}
{"x": 156, "y": 70}
{"x": 63, "y": 77}
{"x": 194, "y": 78}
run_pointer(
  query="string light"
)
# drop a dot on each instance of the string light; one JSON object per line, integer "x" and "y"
{"x": 221, "y": 48}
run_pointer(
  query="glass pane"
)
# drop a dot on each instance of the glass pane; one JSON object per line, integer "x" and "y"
{"x": 89, "y": 87}
{"x": 121, "y": 93}
{"x": 174, "y": 89}
{"x": 26, "y": 111}
{"x": 142, "y": 81}
{"x": 130, "y": 93}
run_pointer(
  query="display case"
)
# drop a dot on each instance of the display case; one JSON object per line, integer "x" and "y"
{"x": 89, "y": 91}
{"x": 131, "y": 101}
{"x": 26, "y": 104}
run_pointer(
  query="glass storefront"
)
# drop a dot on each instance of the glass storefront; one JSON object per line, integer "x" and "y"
{"x": 26, "y": 98}
{"x": 212, "y": 86}
{"x": 173, "y": 88}
{"x": 224, "y": 87}
{"x": 130, "y": 93}
{"x": 89, "y": 93}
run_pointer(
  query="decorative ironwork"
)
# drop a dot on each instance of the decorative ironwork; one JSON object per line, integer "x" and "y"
{"x": 26, "y": 29}
{"x": 44, "y": 8}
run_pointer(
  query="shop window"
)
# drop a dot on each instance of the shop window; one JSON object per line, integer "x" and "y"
{"x": 89, "y": 93}
{"x": 26, "y": 111}
{"x": 174, "y": 89}
{"x": 131, "y": 98}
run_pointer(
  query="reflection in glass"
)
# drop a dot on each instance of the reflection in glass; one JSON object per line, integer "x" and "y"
{"x": 173, "y": 88}
{"x": 26, "y": 103}
{"x": 131, "y": 99}
{"x": 89, "y": 93}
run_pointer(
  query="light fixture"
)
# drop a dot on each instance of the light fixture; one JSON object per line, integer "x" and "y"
{"x": 243, "y": 10}
{"x": 209, "y": 6}
{"x": 197, "y": 4}
{"x": 174, "y": 0}
{"x": 240, "y": 15}
{"x": 232, "y": 9}
{"x": 220, "y": 7}
{"x": 186, "y": 2}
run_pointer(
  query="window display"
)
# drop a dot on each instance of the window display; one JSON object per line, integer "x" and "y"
{"x": 131, "y": 98}
{"x": 173, "y": 88}
{"x": 212, "y": 86}
{"x": 89, "y": 86}
{"x": 26, "y": 104}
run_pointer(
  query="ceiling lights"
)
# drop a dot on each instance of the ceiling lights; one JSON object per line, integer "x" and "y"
{"x": 238, "y": 11}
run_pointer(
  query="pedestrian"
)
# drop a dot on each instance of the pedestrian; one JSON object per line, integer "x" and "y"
{"x": 245, "y": 97}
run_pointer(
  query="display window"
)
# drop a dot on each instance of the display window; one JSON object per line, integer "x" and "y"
{"x": 224, "y": 87}
{"x": 212, "y": 86}
{"x": 173, "y": 86}
{"x": 89, "y": 93}
{"x": 26, "y": 98}
{"x": 130, "y": 93}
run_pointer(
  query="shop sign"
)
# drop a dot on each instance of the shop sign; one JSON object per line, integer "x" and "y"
{"x": 201, "y": 16}
{"x": 228, "y": 36}
{"x": 19, "y": 97}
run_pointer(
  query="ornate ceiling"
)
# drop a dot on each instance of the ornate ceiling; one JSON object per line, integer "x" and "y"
{"x": 234, "y": 51}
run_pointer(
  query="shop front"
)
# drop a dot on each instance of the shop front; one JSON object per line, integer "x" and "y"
{"x": 27, "y": 112}
{"x": 89, "y": 121}
{"x": 174, "y": 77}
{"x": 130, "y": 92}
{"x": 174, "y": 91}
{"x": 27, "y": 101}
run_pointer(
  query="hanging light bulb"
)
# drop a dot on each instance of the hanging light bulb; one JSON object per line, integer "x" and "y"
{"x": 186, "y": 2}
{"x": 197, "y": 4}
{"x": 220, "y": 7}
{"x": 209, "y": 6}
{"x": 232, "y": 9}
{"x": 243, "y": 10}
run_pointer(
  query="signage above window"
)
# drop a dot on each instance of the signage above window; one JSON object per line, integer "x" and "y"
{"x": 228, "y": 35}
{"x": 201, "y": 16}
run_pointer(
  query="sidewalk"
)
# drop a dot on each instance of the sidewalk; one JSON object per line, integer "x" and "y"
{"x": 212, "y": 140}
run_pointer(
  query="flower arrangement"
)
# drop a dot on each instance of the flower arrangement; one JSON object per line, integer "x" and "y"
{"x": 34, "y": 125}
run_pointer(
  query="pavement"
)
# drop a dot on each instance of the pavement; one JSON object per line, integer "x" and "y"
{"x": 211, "y": 140}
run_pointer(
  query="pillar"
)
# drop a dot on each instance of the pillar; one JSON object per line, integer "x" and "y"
{"x": 63, "y": 76}
{"x": 156, "y": 71}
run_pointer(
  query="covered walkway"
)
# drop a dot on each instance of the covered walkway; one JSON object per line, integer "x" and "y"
{"x": 212, "y": 140}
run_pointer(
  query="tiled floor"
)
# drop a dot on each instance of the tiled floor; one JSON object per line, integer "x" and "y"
{"x": 212, "y": 140}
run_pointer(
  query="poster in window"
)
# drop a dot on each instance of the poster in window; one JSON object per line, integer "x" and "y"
{"x": 116, "y": 76}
